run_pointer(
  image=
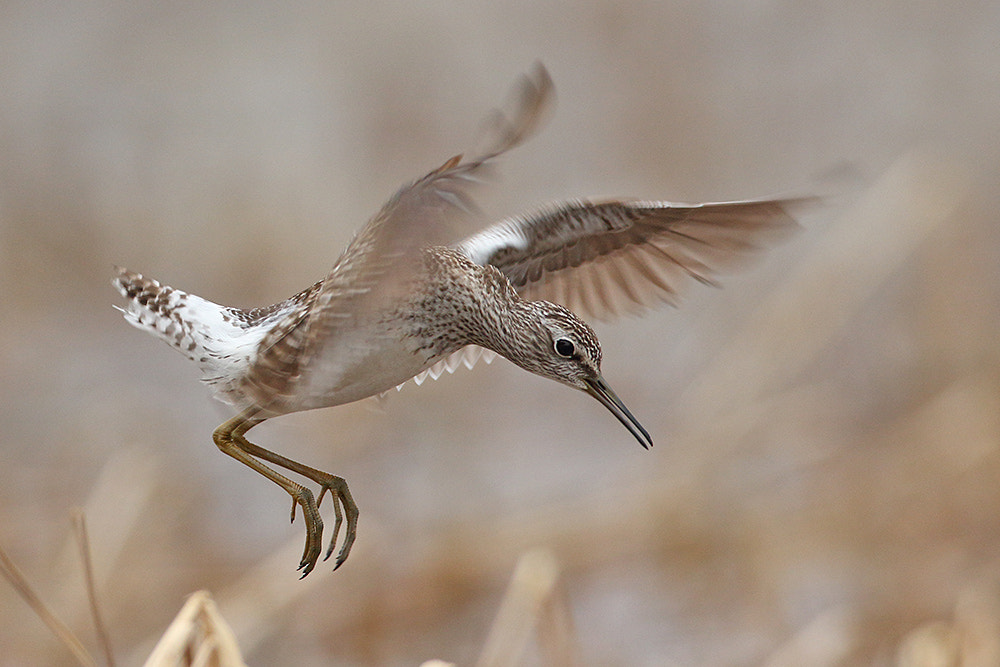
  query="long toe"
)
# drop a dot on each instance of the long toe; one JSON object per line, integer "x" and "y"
{"x": 351, "y": 510}
{"x": 338, "y": 521}
{"x": 314, "y": 531}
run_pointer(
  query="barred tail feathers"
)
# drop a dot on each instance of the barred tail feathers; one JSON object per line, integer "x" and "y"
{"x": 197, "y": 328}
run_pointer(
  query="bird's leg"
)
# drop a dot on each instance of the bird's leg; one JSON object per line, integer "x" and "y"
{"x": 229, "y": 438}
{"x": 339, "y": 492}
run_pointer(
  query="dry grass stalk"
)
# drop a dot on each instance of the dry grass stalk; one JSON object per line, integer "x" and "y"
{"x": 198, "y": 637}
{"x": 80, "y": 528}
{"x": 556, "y": 632}
{"x": 115, "y": 509}
{"x": 16, "y": 578}
{"x": 254, "y": 600}
{"x": 826, "y": 640}
{"x": 971, "y": 639}
{"x": 529, "y": 604}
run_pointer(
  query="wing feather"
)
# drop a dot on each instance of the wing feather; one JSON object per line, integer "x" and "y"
{"x": 378, "y": 265}
{"x": 467, "y": 356}
{"x": 610, "y": 257}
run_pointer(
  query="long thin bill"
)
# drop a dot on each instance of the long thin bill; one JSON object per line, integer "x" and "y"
{"x": 600, "y": 390}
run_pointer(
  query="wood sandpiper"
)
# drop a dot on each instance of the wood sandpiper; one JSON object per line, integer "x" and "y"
{"x": 406, "y": 301}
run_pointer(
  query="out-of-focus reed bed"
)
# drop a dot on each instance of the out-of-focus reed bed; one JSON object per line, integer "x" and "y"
{"x": 200, "y": 637}
{"x": 822, "y": 490}
{"x": 876, "y": 503}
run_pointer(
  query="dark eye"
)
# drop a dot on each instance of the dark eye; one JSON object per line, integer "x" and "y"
{"x": 564, "y": 348}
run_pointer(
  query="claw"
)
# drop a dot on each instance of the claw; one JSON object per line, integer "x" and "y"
{"x": 314, "y": 529}
{"x": 346, "y": 548}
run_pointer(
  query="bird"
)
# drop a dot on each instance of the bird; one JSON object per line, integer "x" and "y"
{"x": 407, "y": 299}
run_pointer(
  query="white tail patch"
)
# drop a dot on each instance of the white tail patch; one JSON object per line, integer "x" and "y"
{"x": 219, "y": 339}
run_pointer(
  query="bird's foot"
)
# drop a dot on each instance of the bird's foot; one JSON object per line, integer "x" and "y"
{"x": 343, "y": 505}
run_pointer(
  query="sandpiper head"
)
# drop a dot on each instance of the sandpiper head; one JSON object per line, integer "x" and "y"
{"x": 564, "y": 348}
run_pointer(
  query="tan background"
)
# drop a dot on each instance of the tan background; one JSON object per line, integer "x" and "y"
{"x": 823, "y": 488}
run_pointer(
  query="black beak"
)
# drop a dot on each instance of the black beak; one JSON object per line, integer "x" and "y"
{"x": 600, "y": 390}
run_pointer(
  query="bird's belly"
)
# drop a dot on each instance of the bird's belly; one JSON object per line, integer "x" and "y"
{"x": 360, "y": 369}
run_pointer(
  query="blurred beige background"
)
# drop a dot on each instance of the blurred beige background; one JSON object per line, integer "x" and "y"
{"x": 823, "y": 490}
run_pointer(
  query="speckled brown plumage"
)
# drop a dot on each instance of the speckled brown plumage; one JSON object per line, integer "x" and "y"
{"x": 405, "y": 300}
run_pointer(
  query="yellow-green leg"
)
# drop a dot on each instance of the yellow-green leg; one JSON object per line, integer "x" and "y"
{"x": 229, "y": 438}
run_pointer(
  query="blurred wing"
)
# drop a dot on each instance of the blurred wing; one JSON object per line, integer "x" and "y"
{"x": 379, "y": 264}
{"x": 610, "y": 257}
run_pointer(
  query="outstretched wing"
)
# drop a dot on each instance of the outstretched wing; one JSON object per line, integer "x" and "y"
{"x": 377, "y": 266}
{"x": 604, "y": 258}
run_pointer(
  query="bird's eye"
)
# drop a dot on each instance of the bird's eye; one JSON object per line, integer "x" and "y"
{"x": 564, "y": 348}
